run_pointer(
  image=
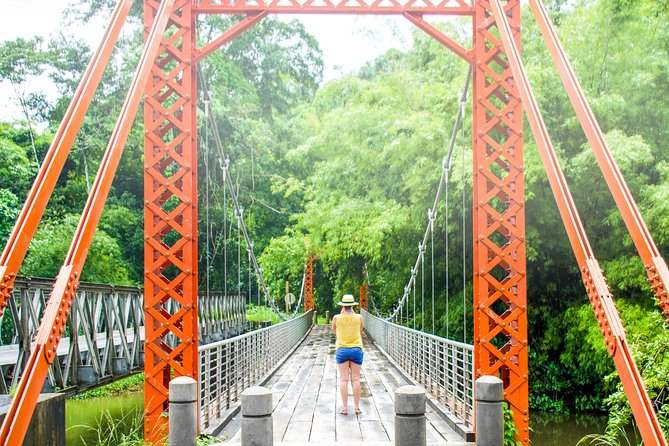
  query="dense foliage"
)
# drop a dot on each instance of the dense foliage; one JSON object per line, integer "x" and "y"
{"x": 346, "y": 170}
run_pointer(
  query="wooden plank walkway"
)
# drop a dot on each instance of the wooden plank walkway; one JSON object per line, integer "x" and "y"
{"x": 307, "y": 401}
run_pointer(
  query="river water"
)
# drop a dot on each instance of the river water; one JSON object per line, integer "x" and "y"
{"x": 548, "y": 429}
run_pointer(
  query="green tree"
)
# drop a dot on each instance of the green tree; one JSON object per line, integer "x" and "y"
{"x": 104, "y": 262}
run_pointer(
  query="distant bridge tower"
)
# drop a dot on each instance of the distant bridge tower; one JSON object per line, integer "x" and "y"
{"x": 309, "y": 285}
{"x": 364, "y": 293}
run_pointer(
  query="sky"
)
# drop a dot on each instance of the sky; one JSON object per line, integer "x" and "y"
{"x": 347, "y": 41}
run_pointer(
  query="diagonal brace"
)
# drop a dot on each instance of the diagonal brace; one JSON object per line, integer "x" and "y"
{"x": 58, "y": 307}
{"x": 38, "y": 197}
{"x": 431, "y": 30}
{"x": 239, "y": 27}
{"x": 598, "y": 291}
{"x": 658, "y": 274}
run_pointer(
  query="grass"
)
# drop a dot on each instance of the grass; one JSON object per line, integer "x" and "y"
{"x": 617, "y": 437}
{"x": 134, "y": 383}
{"x": 127, "y": 430}
{"x": 255, "y": 313}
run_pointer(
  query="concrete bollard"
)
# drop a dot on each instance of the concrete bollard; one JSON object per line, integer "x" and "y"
{"x": 314, "y": 321}
{"x": 183, "y": 411}
{"x": 489, "y": 412}
{"x": 257, "y": 427}
{"x": 327, "y": 318}
{"x": 410, "y": 428}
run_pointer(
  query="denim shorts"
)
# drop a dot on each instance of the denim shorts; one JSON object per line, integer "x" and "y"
{"x": 353, "y": 354}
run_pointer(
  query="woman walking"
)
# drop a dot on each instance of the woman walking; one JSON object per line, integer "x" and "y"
{"x": 348, "y": 326}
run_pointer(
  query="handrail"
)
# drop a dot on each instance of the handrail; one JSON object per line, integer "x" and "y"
{"x": 230, "y": 366}
{"x": 444, "y": 367}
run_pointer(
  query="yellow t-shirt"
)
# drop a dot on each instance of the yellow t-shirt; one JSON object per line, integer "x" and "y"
{"x": 348, "y": 330}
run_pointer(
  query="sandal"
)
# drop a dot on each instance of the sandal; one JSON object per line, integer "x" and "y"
{"x": 344, "y": 412}
{"x": 358, "y": 411}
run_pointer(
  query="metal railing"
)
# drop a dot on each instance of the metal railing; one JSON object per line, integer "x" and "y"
{"x": 443, "y": 367}
{"x": 229, "y": 367}
{"x": 221, "y": 317}
{"x": 106, "y": 319}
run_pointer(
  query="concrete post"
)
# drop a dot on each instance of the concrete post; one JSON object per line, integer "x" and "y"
{"x": 327, "y": 318}
{"x": 410, "y": 428}
{"x": 183, "y": 411}
{"x": 489, "y": 412}
{"x": 257, "y": 427}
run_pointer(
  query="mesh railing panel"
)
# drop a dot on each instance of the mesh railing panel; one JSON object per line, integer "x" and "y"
{"x": 229, "y": 367}
{"x": 443, "y": 367}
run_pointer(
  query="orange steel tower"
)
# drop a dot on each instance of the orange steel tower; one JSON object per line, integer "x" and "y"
{"x": 309, "y": 285}
{"x": 170, "y": 214}
{"x": 364, "y": 294}
{"x": 500, "y": 289}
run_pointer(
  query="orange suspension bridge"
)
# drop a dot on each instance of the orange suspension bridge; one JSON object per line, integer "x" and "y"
{"x": 161, "y": 328}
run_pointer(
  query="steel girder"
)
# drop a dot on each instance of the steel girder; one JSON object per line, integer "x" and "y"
{"x": 309, "y": 285}
{"x": 364, "y": 296}
{"x": 60, "y": 301}
{"x": 500, "y": 286}
{"x": 170, "y": 214}
{"x": 609, "y": 321}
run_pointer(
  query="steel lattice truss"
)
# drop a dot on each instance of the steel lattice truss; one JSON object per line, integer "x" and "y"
{"x": 170, "y": 214}
{"x": 451, "y": 7}
{"x": 500, "y": 325}
{"x": 309, "y": 285}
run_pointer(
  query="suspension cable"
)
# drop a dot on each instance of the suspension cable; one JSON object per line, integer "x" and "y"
{"x": 464, "y": 240}
{"x": 446, "y": 209}
{"x": 235, "y": 201}
{"x": 446, "y": 166}
{"x": 432, "y": 218}
{"x": 206, "y": 196}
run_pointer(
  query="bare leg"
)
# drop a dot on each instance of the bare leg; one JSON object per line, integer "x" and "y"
{"x": 355, "y": 378}
{"x": 343, "y": 385}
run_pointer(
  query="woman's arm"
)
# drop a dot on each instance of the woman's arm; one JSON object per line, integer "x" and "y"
{"x": 334, "y": 324}
{"x": 362, "y": 323}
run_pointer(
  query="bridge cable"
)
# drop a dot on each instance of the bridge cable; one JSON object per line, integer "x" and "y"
{"x": 446, "y": 209}
{"x": 234, "y": 197}
{"x": 446, "y": 165}
{"x": 464, "y": 238}
{"x": 432, "y": 218}
{"x": 206, "y": 196}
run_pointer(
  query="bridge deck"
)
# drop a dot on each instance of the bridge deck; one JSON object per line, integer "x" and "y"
{"x": 307, "y": 402}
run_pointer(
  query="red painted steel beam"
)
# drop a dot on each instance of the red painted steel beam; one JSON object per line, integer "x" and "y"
{"x": 658, "y": 274}
{"x": 230, "y": 34}
{"x": 55, "y": 315}
{"x": 364, "y": 295}
{"x": 376, "y": 7}
{"x": 170, "y": 216}
{"x": 431, "y": 30}
{"x": 600, "y": 296}
{"x": 38, "y": 197}
{"x": 499, "y": 258}
{"x": 309, "y": 286}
